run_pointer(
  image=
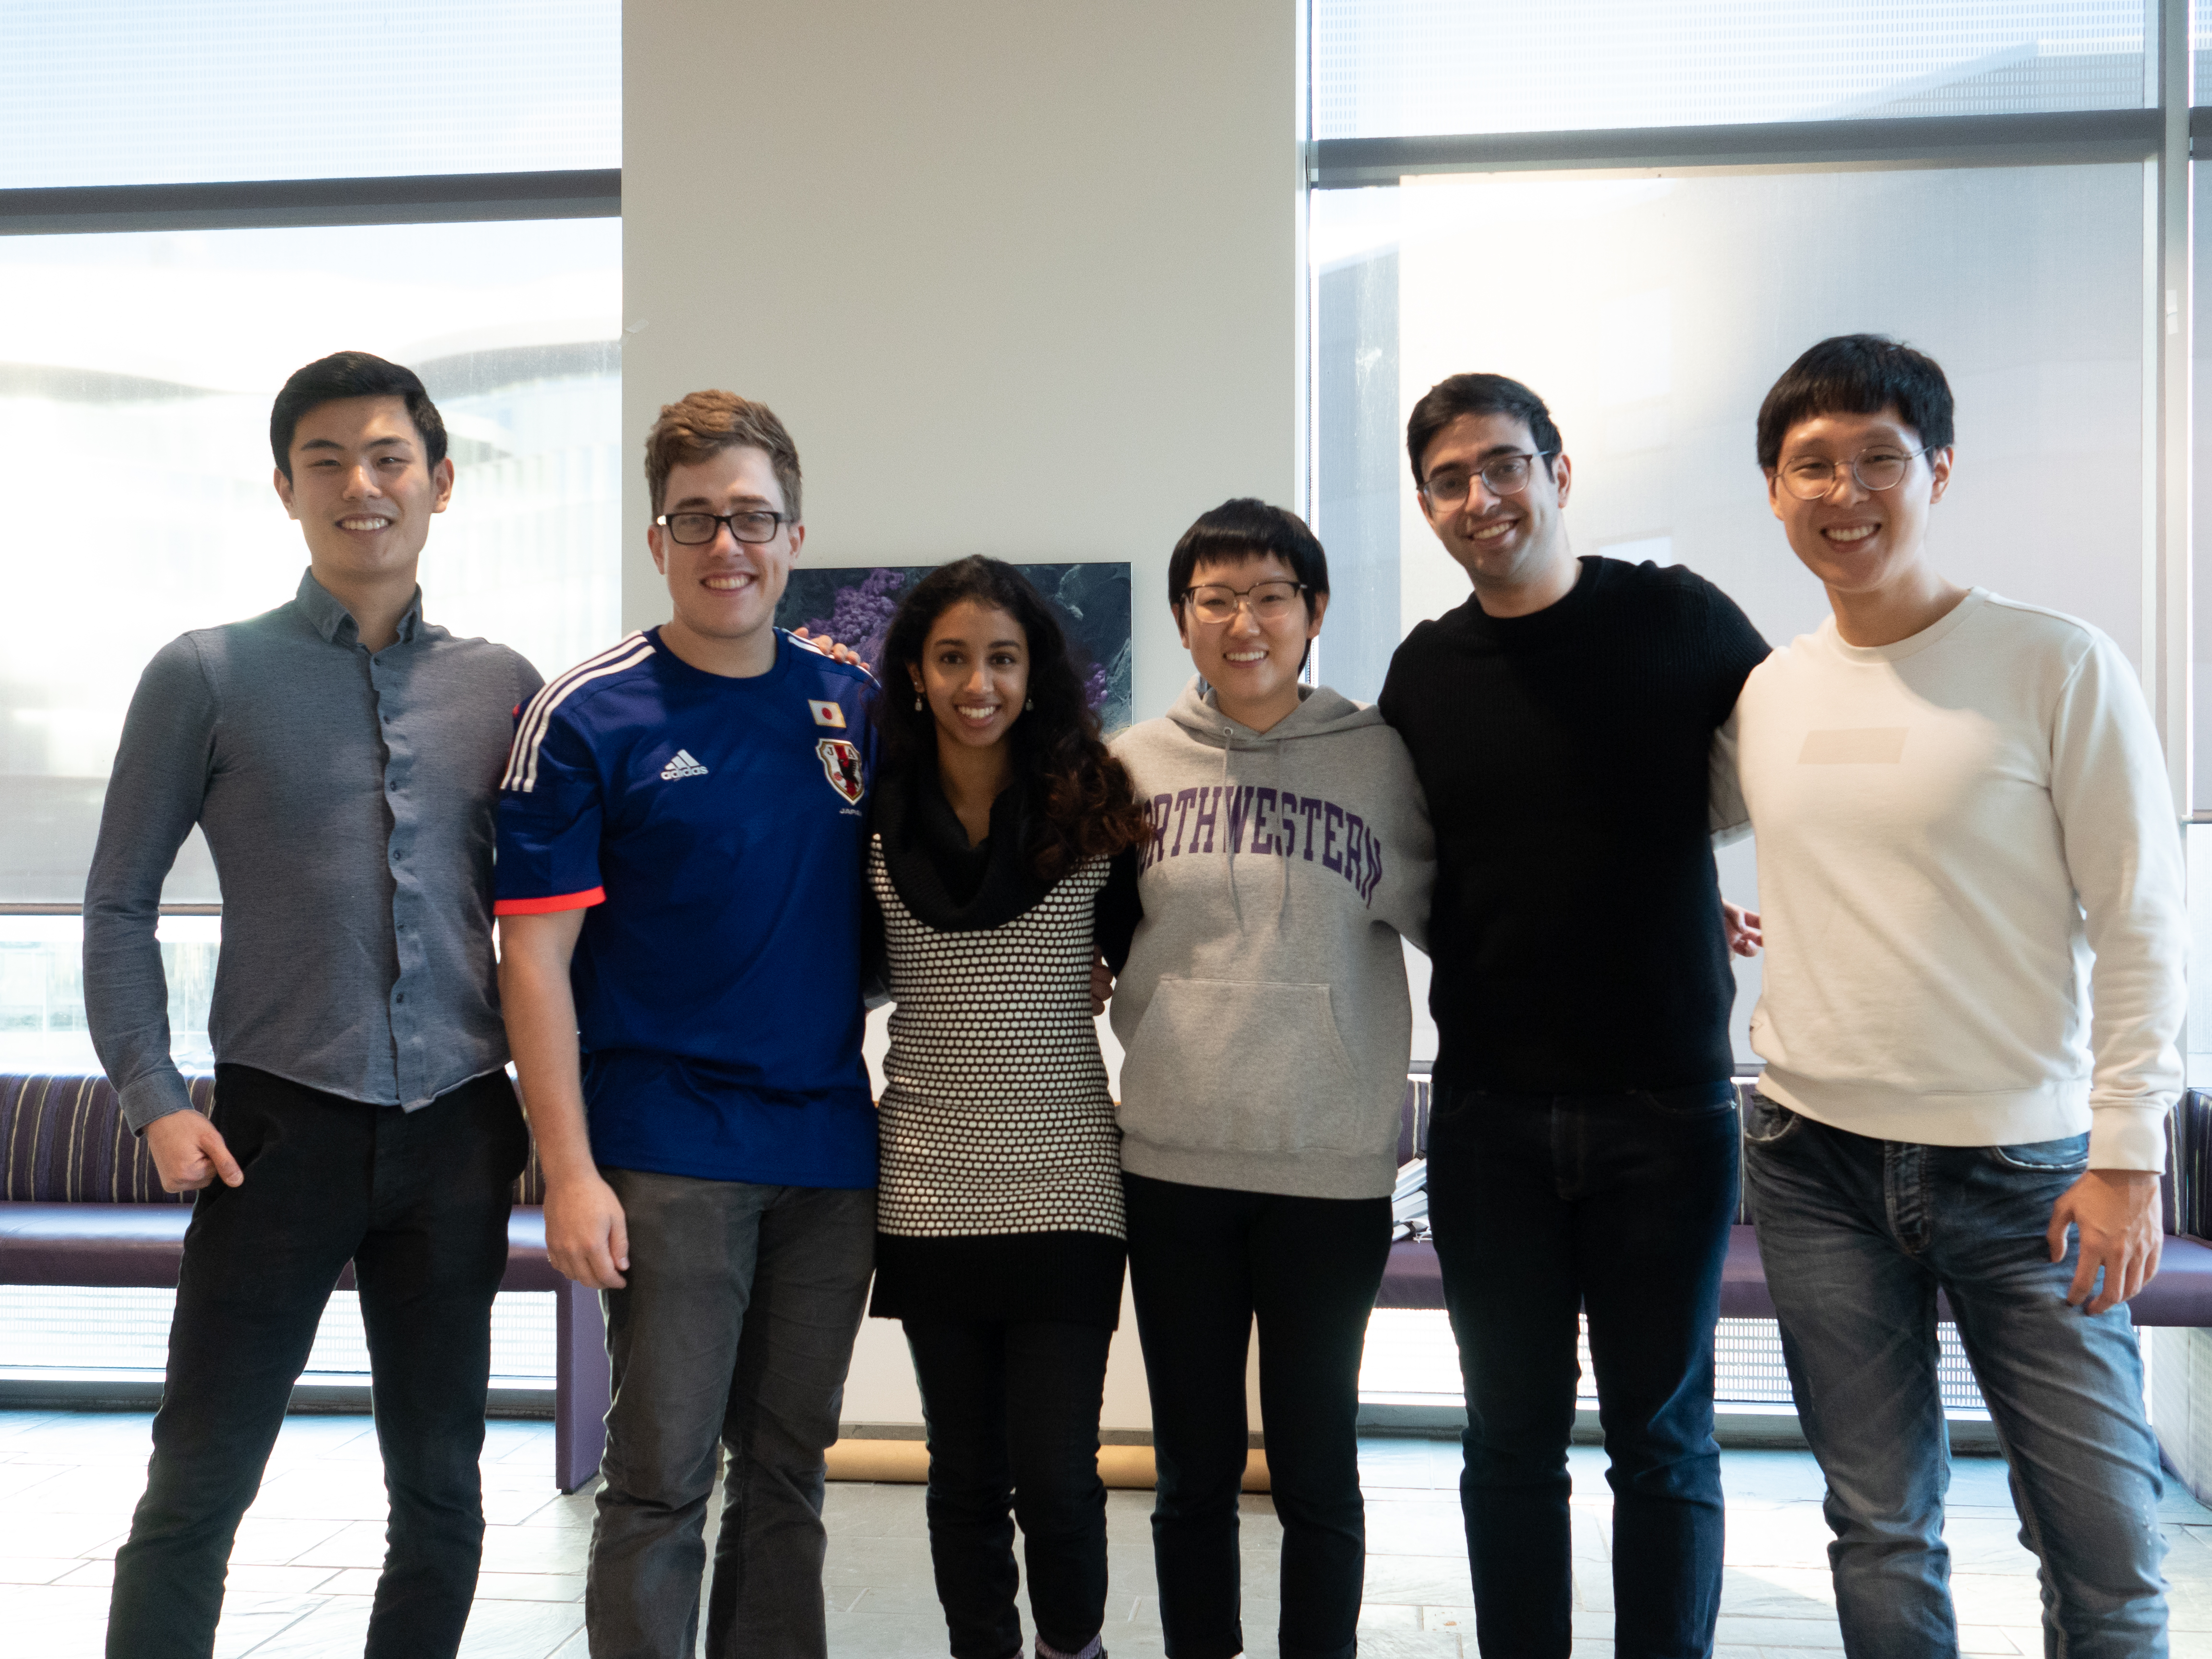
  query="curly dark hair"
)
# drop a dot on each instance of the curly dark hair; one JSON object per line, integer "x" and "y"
{"x": 1082, "y": 804}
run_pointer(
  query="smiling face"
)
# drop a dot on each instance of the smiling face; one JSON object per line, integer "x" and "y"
{"x": 724, "y": 591}
{"x": 363, "y": 489}
{"x": 1502, "y": 542}
{"x": 974, "y": 673}
{"x": 1252, "y": 665}
{"x": 1855, "y": 540}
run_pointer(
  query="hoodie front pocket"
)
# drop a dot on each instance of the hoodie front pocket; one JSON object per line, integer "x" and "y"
{"x": 1242, "y": 1066}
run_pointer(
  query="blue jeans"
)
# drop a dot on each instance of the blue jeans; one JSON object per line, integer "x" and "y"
{"x": 736, "y": 1329}
{"x": 1858, "y": 1234}
{"x": 1545, "y": 1207}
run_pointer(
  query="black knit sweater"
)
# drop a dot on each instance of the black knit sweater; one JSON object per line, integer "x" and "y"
{"x": 1576, "y": 940}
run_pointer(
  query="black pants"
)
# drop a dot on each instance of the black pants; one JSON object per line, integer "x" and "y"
{"x": 1546, "y": 1207}
{"x": 1203, "y": 1262}
{"x": 1012, "y": 1412}
{"x": 418, "y": 1202}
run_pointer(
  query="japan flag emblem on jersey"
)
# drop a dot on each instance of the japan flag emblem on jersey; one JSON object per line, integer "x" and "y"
{"x": 826, "y": 713}
{"x": 840, "y": 764}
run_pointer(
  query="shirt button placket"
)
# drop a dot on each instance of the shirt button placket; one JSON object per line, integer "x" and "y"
{"x": 398, "y": 758}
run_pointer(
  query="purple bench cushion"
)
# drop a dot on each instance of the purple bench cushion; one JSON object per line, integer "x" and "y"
{"x": 141, "y": 1244}
{"x": 2180, "y": 1295}
{"x": 1412, "y": 1278}
{"x": 62, "y": 1140}
{"x": 92, "y": 1243}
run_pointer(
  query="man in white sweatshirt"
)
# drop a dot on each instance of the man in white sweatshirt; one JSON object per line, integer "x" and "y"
{"x": 1964, "y": 825}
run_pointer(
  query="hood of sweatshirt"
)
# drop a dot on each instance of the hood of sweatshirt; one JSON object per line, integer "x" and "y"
{"x": 1321, "y": 713}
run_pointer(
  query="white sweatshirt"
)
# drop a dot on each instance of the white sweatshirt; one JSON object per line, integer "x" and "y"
{"x": 1965, "y": 840}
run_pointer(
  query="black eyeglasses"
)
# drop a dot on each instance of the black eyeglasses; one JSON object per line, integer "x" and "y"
{"x": 755, "y": 526}
{"x": 1507, "y": 475}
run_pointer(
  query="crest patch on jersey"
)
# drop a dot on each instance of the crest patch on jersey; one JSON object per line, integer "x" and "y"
{"x": 826, "y": 713}
{"x": 840, "y": 764}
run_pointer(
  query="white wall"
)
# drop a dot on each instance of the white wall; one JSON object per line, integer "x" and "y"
{"x": 1022, "y": 279}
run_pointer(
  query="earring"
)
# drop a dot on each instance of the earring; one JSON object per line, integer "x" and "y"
{"x": 917, "y": 703}
{"x": 1031, "y": 703}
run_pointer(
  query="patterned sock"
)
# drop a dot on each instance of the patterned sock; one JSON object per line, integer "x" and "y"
{"x": 1093, "y": 1649}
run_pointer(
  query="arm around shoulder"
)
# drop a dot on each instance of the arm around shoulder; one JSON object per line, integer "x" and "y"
{"x": 1407, "y": 887}
{"x": 1726, "y": 815}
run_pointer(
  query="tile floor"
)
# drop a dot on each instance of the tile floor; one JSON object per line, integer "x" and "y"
{"x": 305, "y": 1561}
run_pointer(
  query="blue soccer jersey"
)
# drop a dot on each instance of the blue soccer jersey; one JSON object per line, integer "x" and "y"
{"x": 716, "y": 829}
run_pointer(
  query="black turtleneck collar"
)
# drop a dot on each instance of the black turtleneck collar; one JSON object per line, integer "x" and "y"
{"x": 946, "y": 882}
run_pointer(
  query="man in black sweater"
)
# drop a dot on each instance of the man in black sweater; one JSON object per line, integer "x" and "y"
{"x": 1583, "y": 1148}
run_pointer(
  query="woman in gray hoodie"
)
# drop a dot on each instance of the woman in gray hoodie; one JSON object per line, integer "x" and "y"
{"x": 1264, "y": 1019}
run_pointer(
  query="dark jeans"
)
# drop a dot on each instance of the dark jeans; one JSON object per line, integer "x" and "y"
{"x": 1618, "y": 1207}
{"x": 735, "y": 1329}
{"x": 1856, "y": 1235}
{"x": 418, "y": 1202}
{"x": 1203, "y": 1262}
{"x": 1012, "y": 1410}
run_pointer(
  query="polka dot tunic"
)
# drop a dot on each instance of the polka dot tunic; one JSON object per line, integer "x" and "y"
{"x": 996, "y": 1130}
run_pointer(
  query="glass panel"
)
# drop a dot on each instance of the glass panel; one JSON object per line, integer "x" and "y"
{"x": 150, "y": 92}
{"x": 1383, "y": 67}
{"x": 42, "y": 1023}
{"x": 1653, "y": 314}
{"x": 1411, "y": 1359}
{"x": 2200, "y": 1032}
{"x": 2198, "y": 1029}
{"x": 136, "y": 375}
{"x": 49, "y": 1329}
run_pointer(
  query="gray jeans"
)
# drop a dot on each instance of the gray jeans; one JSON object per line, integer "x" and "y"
{"x": 737, "y": 1325}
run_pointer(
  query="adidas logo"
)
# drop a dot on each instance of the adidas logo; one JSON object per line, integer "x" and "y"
{"x": 682, "y": 766}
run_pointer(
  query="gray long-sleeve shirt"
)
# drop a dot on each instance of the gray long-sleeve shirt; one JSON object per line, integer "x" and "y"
{"x": 349, "y": 802}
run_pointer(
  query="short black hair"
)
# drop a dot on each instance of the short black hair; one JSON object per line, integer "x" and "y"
{"x": 1857, "y": 375}
{"x": 1478, "y": 394}
{"x": 351, "y": 374}
{"x": 1245, "y": 527}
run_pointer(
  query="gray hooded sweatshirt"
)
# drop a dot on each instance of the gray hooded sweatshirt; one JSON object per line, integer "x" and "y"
{"x": 1263, "y": 1009}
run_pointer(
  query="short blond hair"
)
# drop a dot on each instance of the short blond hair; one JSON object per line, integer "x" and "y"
{"x": 701, "y": 425}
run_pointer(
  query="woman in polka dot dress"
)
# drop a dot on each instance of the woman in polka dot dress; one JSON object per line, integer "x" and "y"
{"x": 1001, "y": 860}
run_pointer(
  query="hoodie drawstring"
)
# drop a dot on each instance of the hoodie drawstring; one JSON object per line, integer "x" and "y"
{"x": 1228, "y": 741}
{"x": 1283, "y": 896}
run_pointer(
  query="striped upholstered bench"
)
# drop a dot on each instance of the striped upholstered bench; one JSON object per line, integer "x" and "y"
{"x": 81, "y": 1204}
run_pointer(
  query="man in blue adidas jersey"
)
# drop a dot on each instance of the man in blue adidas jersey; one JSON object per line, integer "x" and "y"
{"x": 680, "y": 840}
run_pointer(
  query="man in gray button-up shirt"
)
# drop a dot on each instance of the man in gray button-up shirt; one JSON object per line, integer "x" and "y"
{"x": 343, "y": 756}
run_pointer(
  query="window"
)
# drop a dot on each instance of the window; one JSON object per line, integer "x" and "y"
{"x": 194, "y": 202}
{"x": 136, "y": 375}
{"x": 1387, "y": 68}
{"x": 142, "y": 92}
{"x": 1653, "y": 313}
